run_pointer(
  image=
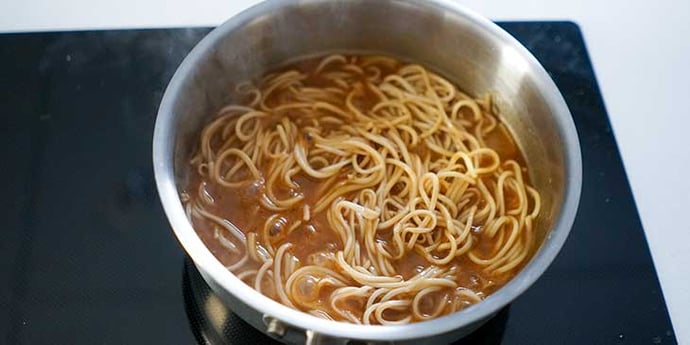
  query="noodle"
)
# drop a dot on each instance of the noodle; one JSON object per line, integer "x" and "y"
{"x": 360, "y": 189}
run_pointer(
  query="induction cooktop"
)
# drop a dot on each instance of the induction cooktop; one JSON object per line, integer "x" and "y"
{"x": 87, "y": 256}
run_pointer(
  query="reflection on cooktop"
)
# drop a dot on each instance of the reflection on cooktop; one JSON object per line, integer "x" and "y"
{"x": 214, "y": 324}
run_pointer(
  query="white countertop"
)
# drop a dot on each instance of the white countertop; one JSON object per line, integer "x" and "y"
{"x": 641, "y": 55}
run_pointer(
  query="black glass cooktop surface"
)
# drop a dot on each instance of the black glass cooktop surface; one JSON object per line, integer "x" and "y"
{"x": 87, "y": 257}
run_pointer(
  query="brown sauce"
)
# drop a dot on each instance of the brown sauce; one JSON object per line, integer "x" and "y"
{"x": 241, "y": 208}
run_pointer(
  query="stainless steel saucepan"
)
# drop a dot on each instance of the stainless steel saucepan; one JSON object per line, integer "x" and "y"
{"x": 466, "y": 48}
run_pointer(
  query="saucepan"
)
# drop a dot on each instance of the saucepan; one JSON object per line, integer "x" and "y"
{"x": 466, "y": 48}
